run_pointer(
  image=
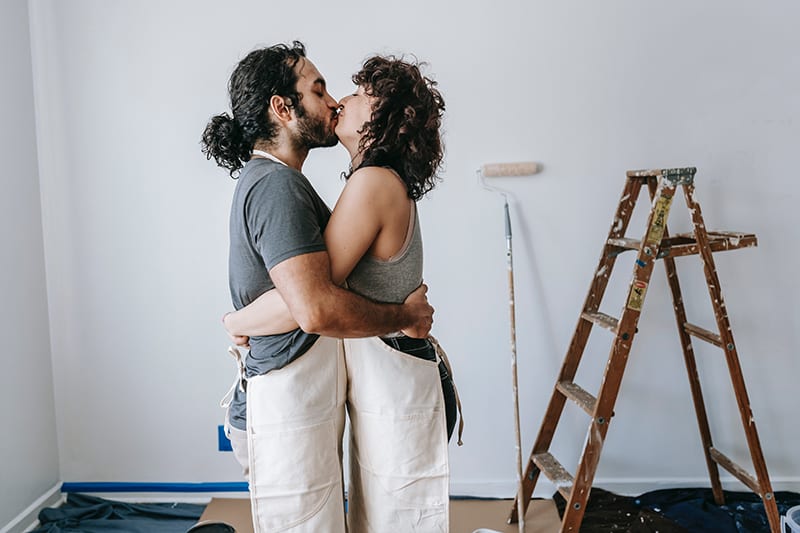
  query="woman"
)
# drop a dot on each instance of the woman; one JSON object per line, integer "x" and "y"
{"x": 390, "y": 127}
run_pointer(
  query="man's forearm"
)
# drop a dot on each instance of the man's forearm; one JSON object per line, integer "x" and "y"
{"x": 341, "y": 313}
{"x": 321, "y": 307}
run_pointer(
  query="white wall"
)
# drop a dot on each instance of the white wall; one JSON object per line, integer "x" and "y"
{"x": 28, "y": 450}
{"x": 135, "y": 220}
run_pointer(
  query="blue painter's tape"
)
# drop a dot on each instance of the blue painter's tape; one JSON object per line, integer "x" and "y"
{"x": 640, "y": 262}
{"x": 223, "y": 443}
{"x": 153, "y": 487}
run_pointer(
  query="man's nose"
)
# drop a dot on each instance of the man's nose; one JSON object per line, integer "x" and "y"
{"x": 332, "y": 103}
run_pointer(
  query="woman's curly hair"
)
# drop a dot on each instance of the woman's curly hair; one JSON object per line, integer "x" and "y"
{"x": 260, "y": 75}
{"x": 403, "y": 130}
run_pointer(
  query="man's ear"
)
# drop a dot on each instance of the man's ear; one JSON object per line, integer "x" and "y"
{"x": 278, "y": 107}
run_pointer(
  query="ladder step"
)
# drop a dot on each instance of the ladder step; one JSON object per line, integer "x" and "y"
{"x": 655, "y": 173}
{"x": 601, "y": 319}
{"x": 686, "y": 244}
{"x": 700, "y": 333}
{"x": 730, "y": 240}
{"x": 578, "y": 395}
{"x": 718, "y": 241}
{"x": 626, "y": 243}
{"x": 555, "y": 472}
{"x": 740, "y": 473}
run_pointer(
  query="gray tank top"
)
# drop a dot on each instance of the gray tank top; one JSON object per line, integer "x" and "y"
{"x": 392, "y": 280}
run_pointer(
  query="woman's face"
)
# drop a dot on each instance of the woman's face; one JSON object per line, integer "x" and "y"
{"x": 356, "y": 110}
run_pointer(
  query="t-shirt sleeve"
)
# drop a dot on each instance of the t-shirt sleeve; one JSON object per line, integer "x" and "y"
{"x": 282, "y": 218}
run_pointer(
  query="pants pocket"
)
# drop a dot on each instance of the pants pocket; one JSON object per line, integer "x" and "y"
{"x": 384, "y": 380}
{"x": 238, "y": 440}
{"x": 295, "y": 476}
{"x": 400, "y": 450}
{"x": 399, "y": 474}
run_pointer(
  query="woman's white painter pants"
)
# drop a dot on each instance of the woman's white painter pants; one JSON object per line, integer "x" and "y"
{"x": 399, "y": 473}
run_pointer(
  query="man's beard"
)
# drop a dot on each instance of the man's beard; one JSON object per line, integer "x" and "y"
{"x": 313, "y": 132}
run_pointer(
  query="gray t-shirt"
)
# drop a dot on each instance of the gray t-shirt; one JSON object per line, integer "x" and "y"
{"x": 276, "y": 214}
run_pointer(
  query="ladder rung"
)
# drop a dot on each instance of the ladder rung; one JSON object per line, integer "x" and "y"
{"x": 626, "y": 243}
{"x": 740, "y": 473}
{"x": 601, "y": 319}
{"x": 578, "y": 395}
{"x": 555, "y": 472}
{"x": 700, "y": 333}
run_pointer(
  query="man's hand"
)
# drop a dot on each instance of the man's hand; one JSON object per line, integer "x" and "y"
{"x": 421, "y": 312}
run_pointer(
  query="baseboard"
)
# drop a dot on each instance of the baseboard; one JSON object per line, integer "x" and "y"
{"x": 158, "y": 492}
{"x": 137, "y": 487}
{"x": 27, "y": 519}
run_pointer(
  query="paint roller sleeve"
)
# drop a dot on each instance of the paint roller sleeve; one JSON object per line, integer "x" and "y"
{"x": 496, "y": 170}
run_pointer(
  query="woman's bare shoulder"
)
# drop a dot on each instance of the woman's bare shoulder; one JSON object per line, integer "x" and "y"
{"x": 378, "y": 180}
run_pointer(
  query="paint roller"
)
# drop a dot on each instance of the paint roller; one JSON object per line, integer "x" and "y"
{"x": 500, "y": 170}
{"x": 504, "y": 170}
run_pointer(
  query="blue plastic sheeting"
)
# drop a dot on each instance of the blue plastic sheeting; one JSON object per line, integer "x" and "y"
{"x": 89, "y": 514}
{"x": 677, "y": 511}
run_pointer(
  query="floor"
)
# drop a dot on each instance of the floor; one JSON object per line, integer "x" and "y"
{"x": 466, "y": 516}
{"x": 676, "y": 510}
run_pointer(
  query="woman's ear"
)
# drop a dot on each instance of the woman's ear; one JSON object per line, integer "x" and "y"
{"x": 279, "y": 108}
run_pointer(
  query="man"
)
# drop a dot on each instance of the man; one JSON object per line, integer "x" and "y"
{"x": 295, "y": 382}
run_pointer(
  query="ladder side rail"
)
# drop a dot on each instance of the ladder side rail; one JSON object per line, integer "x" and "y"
{"x": 694, "y": 382}
{"x": 732, "y": 358}
{"x": 618, "y": 357}
{"x": 691, "y": 368}
{"x": 569, "y": 368}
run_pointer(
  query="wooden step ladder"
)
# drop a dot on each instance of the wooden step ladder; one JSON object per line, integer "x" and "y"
{"x": 656, "y": 244}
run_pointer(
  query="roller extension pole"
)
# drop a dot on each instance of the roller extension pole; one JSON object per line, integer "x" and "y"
{"x": 514, "y": 387}
{"x": 512, "y": 170}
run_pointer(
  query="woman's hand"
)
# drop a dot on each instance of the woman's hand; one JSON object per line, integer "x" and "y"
{"x": 238, "y": 340}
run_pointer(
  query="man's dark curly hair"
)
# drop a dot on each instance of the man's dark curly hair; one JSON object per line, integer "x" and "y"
{"x": 403, "y": 130}
{"x": 262, "y": 74}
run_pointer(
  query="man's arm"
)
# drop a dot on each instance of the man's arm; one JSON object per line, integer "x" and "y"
{"x": 369, "y": 196}
{"x": 319, "y": 306}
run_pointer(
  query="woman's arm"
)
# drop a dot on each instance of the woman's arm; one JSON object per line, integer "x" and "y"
{"x": 266, "y": 315}
{"x": 369, "y": 196}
